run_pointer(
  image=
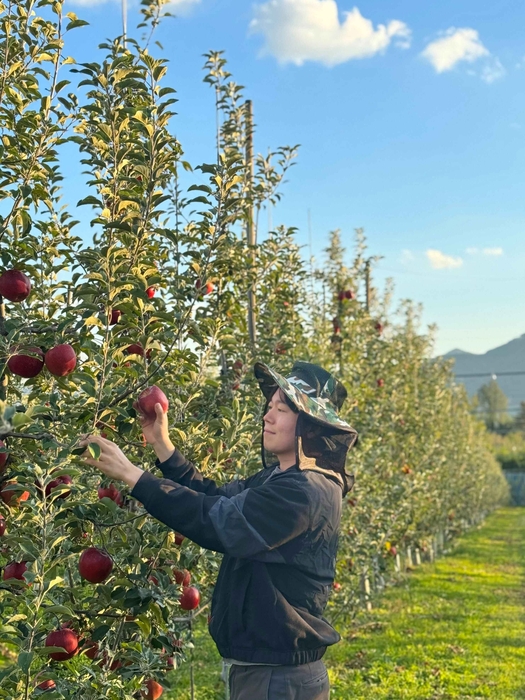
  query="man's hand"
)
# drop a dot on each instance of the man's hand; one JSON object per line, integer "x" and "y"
{"x": 112, "y": 461}
{"x": 156, "y": 433}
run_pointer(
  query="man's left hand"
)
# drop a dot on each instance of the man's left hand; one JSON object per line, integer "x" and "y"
{"x": 112, "y": 461}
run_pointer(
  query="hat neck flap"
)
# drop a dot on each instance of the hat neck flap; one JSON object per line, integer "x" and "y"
{"x": 323, "y": 451}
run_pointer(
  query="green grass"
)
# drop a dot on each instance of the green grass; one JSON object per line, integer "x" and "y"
{"x": 453, "y": 629}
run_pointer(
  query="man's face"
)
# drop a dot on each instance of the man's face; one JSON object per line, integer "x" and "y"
{"x": 279, "y": 426}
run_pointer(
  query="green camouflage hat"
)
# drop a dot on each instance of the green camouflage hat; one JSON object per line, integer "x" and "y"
{"x": 311, "y": 389}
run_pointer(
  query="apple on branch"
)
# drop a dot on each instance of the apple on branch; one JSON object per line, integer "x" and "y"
{"x": 15, "y": 570}
{"x": 95, "y": 565}
{"x": 15, "y": 285}
{"x": 3, "y": 458}
{"x": 61, "y": 360}
{"x": 65, "y": 638}
{"x": 190, "y": 598}
{"x": 154, "y": 690}
{"x": 27, "y": 362}
{"x": 11, "y": 494}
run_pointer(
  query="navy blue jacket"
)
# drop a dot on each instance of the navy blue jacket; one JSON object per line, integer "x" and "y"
{"x": 279, "y": 538}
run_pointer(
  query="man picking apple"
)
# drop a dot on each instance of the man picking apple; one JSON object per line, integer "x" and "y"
{"x": 278, "y": 531}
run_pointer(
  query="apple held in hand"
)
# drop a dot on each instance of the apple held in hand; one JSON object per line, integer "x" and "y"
{"x": 14, "y": 285}
{"x": 190, "y": 598}
{"x": 61, "y": 360}
{"x": 27, "y": 362}
{"x": 95, "y": 565}
{"x": 145, "y": 404}
{"x": 65, "y": 638}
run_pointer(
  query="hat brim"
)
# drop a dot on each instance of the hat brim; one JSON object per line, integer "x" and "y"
{"x": 318, "y": 409}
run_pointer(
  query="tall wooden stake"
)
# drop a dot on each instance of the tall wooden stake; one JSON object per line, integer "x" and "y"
{"x": 124, "y": 20}
{"x": 250, "y": 228}
{"x": 367, "y": 283}
{"x": 3, "y": 380}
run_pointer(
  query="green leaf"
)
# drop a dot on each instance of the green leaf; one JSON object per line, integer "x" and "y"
{"x": 60, "y": 610}
{"x": 25, "y": 659}
{"x": 76, "y": 23}
{"x": 94, "y": 450}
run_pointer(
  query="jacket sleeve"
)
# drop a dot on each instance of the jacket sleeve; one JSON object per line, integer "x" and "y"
{"x": 246, "y": 525}
{"x": 179, "y": 469}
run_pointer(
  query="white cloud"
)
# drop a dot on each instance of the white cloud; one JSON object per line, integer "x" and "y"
{"x": 492, "y": 71}
{"x": 407, "y": 256}
{"x": 296, "y": 31}
{"x": 440, "y": 261}
{"x": 456, "y": 45}
{"x": 494, "y": 252}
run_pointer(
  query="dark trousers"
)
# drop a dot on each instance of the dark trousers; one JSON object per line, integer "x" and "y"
{"x": 304, "y": 682}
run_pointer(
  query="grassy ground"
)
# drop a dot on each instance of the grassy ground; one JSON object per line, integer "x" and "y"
{"x": 454, "y": 630}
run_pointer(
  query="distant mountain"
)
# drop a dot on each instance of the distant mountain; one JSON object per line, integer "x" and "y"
{"x": 506, "y": 358}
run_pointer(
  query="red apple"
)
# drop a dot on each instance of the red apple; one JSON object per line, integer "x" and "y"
{"x": 183, "y": 577}
{"x": 14, "y": 285}
{"x": 135, "y": 349}
{"x": 3, "y": 457}
{"x": 15, "y": 570}
{"x": 61, "y": 360}
{"x": 2, "y": 525}
{"x": 208, "y": 287}
{"x": 145, "y": 404}
{"x": 150, "y": 291}
{"x": 350, "y": 294}
{"x": 65, "y": 479}
{"x": 115, "y": 664}
{"x": 112, "y": 492}
{"x": 379, "y": 327}
{"x": 65, "y": 638}
{"x": 114, "y": 316}
{"x": 280, "y": 349}
{"x": 393, "y": 551}
{"x": 154, "y": 691}
{"x": 190, "y": 598}
{"x": 380, "y": 382}
{"x": 27, "y": 362}
{"x": 95, "y": 565}
{"x": 336, "y": 586}
{"x": 47, "y": 685}
{"x": 11, "y": 496}
{"x": 341, "y": 295}
{"x": 179, "y": 539}
{"x": 91, "y": 650}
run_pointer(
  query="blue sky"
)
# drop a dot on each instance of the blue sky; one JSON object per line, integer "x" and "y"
{"x": 411, "y": 123}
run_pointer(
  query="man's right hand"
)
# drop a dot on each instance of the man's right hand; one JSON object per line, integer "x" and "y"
{"x": 156, "y": 433}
